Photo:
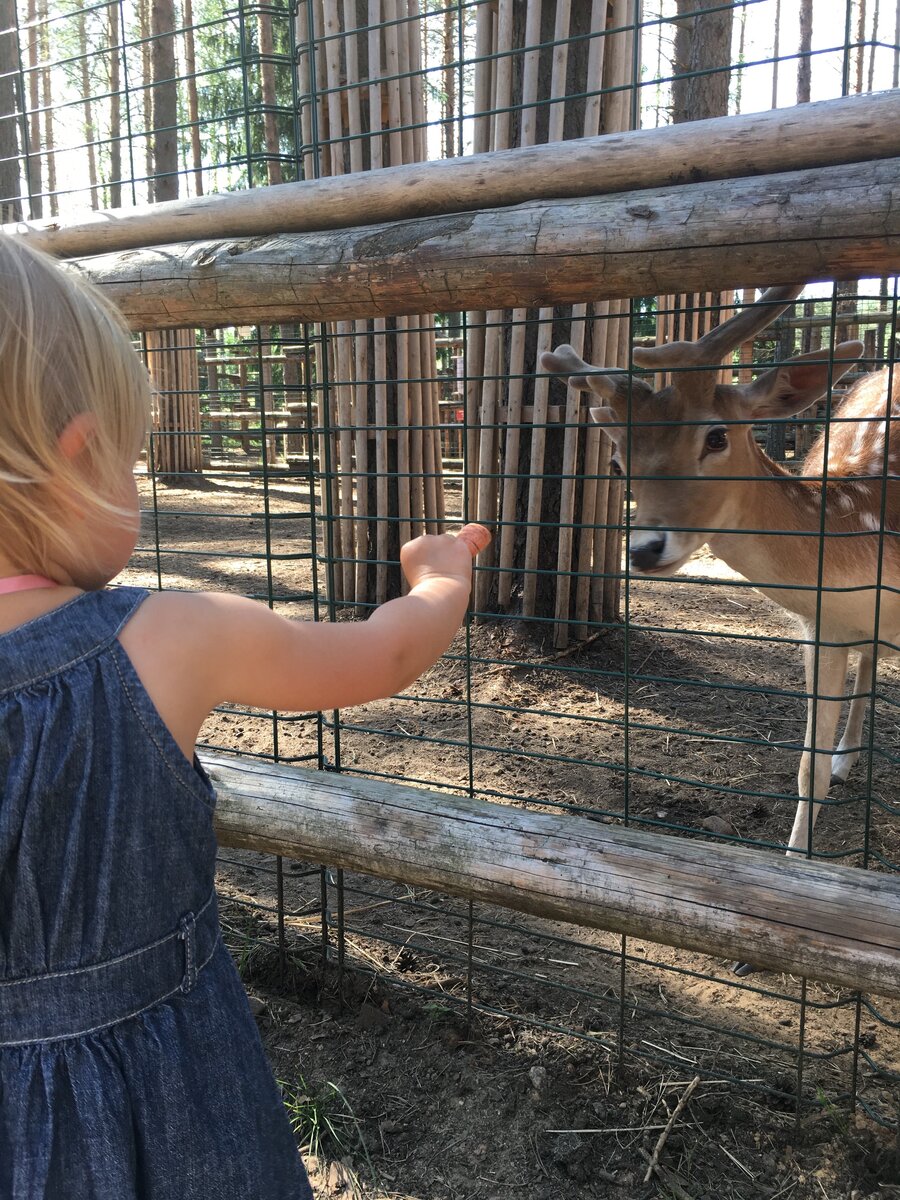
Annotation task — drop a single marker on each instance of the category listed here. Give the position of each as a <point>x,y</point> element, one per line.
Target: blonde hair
<point>64,351</point>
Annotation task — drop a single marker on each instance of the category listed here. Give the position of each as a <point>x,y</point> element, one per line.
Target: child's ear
<point>76,435</point>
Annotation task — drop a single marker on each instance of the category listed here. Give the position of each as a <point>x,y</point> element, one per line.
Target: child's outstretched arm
<point>196,650</point>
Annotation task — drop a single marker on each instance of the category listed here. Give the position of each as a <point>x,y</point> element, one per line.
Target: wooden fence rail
<point>829,132</point>
<point>828,223</point>
<point>837,924</point>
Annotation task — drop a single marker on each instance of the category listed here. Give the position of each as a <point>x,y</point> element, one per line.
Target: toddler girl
<point>130,1066</point>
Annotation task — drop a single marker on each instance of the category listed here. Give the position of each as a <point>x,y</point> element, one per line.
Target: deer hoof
<point>742,968</point>
<point>841,766</point>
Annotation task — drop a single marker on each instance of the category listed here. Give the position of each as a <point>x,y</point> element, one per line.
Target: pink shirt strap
<point>25,583</point>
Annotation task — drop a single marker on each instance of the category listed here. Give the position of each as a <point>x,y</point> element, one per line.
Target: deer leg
<point>847,752</point>
<point>814,776</point>
<point>813,780</point>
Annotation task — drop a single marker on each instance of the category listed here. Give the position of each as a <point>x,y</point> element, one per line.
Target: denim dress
<point>130,1064</point>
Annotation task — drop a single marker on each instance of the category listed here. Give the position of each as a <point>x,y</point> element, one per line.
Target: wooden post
<point>377,65</point>
<point>174,372</point>
<point>554,492</point>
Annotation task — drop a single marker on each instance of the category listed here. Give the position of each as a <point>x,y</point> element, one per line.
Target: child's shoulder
<point>183,624</point>
<point>192,617</point>
<point>176,642</point>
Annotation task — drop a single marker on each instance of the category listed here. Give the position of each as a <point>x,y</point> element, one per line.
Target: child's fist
<point>446,554</point>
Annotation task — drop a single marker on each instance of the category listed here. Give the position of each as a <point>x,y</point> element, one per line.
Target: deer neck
<point>770,498</point>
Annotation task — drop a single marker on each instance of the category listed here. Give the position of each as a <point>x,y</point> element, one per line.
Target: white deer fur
<point>690,488</point>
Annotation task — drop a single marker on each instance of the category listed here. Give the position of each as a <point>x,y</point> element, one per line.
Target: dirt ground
<point>474,1056</point>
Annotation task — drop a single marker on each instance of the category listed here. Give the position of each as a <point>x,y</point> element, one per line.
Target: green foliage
<point>644,316</point>
<point>229,91</point>
<point>322,1120</point>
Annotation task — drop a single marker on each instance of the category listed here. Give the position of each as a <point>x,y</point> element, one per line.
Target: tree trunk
<point>448,103</point>
<point>190,68</point>
<point>702,60</point>
<point>699,92</point>
<point>814,919</point>
<point>269,99</point>
<point>165,100</point>
<point>10,183</point>
<point>742,42</point>
<point>143,7</point>
<point>860,46</point>
<point>90,136</point>
<point>49,146</point>
<point>115,108</point>
<point>33,164</point>
<point>827,133</point>
<point>804,61</point>
<point>876,15</point>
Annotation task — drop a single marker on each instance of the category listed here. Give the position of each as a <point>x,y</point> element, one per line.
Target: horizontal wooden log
<point>837,924</point>
<point>852,129</point>
<point>835,222</point>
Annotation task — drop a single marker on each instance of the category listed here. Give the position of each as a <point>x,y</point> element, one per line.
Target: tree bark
<point>804,51</point>
<point>143,7</point>
<point>828,133</point>
<point>10,185</point>
<point>115,107</point>
<point>838,222</point>
<point>833,923</point>
<point>33,165</point>
<point>49,146</point>
<point>269,98</point>
<point>190,68</point>
<point>165,100</point>
<point>90,135</point>
<point>702,60</point>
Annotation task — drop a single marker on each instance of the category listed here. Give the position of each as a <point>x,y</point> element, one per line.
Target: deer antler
<point>565,361</point>
<point>712,349</point>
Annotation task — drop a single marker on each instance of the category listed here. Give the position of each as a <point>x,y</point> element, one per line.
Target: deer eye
<point>717,439</point>
<point>614,467</point>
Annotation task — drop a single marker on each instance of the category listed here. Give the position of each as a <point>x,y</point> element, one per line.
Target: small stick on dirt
<point>570,650</point>
<point>679,1108</point>
<point>670,1179</point>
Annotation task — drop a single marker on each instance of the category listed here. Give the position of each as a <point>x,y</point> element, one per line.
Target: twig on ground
<point>570,650</point>
<point>663,1137</point>
<point>670,1179</point>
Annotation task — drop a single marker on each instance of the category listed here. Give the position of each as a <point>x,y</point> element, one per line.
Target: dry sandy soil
<point>559,1072</point>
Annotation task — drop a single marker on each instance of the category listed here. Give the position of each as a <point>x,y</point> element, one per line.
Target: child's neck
<point>28,594</point>
<point>13,570</point>
<point>25,583</point>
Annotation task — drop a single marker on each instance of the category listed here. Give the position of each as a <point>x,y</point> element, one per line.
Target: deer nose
<point>647,555</point>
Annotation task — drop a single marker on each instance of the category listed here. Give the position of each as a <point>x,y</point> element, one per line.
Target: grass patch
<point>323,1121</point>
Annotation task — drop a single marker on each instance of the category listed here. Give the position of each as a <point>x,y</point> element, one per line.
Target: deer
<point>697,475</point>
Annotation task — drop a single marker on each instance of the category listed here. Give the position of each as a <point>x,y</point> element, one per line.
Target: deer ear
<point>797,384</point>
<point>611,421</point>
<point>604,416</point>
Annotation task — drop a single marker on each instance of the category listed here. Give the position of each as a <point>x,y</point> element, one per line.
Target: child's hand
<point>444,555</point>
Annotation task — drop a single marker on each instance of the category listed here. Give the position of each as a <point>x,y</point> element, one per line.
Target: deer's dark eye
<point>614,467</point>
<point>717,439</point>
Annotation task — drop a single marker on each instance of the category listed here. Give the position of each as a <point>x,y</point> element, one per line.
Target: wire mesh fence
<point>288,462</point>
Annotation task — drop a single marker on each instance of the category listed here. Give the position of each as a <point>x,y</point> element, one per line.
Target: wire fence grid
<point>288,463</point>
